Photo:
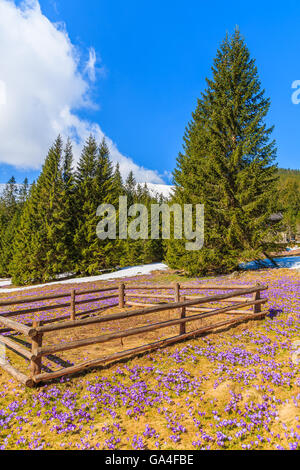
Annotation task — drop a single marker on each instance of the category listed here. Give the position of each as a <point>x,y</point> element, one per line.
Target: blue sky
<point>154,60</point>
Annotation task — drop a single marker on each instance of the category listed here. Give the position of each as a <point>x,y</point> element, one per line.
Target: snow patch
<point>156,189</point>
<point>131,271</point>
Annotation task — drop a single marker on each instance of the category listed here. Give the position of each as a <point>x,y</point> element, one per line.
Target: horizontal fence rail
<point>175,301</point>
<point>28,300</point>
<point>147,347</point>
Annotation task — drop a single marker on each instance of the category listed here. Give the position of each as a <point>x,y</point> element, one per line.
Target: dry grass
<point>216,370</point>
<point>56,361</point>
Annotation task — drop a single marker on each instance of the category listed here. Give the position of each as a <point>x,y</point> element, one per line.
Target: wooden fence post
<point>121,295</point>
<point>177,292</point>
<point>73,305</point>
<point>256,296</point>
<point>36,342</point>
<point>182,328</point>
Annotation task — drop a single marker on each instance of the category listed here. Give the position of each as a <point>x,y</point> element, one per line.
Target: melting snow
<point>124,272</point>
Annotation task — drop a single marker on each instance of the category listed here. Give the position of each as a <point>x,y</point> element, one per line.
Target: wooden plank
<point>177,299</point>
<point>146,311</point>
<point>105,289</point>
<point>246,304</point>
<point>129,352</point>
<point>73,306</point>
<point>25,330</point>
<point>36,344</point>
<point>53,307</point>
<point>4,303</point>
<point>94,299</point>
<point>216,286</point>
<point>193,309</point>
<point>27,381</point>
<point>27,300</point>
<point>191,286</point>
<point>125,333</point>
<point>170,296</point>
<point>150,296</point>
<point>177,292</point>
<point>63,317</point>
<point>16,347</point>
<point>234,299</point>
<point>121,295</point>
<point>34,310</point>
<point>207,309</point>
<point>256,306</point>
<point>148,287</point>
<point>143,304</point>
<point>182,326</point>
<point>99,289</point>
<point>80,302</point>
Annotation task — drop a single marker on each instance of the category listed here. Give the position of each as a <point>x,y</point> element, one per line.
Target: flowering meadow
<point>238,389</point>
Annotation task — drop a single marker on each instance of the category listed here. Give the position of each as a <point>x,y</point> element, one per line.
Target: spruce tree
<point>9,217</point>
<point>23,264</point>
<point>130,188</point>
<point>101,252</point>
<point>68,184</point>
<point>227,164</point>
<point>94,179</point>
<point>23,192</point>
<point>10,196</point>
<point>117,246</point>
<point>104,174</point>
<point>131,248</point>
<point>140,250</point>
<point>117,188</point>
<point>84,200</point>
<point>40,248</point>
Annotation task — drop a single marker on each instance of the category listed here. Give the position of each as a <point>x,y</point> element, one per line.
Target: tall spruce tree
<point>12,226</point>
<point>23,192</point>
<point>23,264</point>
<point>68,184</point>
<point>227,164</point>
<point>102,251</point>
<point>131,248</point>
<point>84,201</point>
<point>130,188</point>
<point>94,178</point>
<point>9,217</point>
<point>40,248</point>
<point>117,190</point>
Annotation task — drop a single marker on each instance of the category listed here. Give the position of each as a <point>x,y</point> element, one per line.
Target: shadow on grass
<point>132,355</point>
<point>273,312</point>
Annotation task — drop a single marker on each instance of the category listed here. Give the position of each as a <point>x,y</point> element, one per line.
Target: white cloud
<point>45,90</point>
<point>91,63</point>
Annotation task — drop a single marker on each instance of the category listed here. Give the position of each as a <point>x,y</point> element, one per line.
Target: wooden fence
<point>177,300</point>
